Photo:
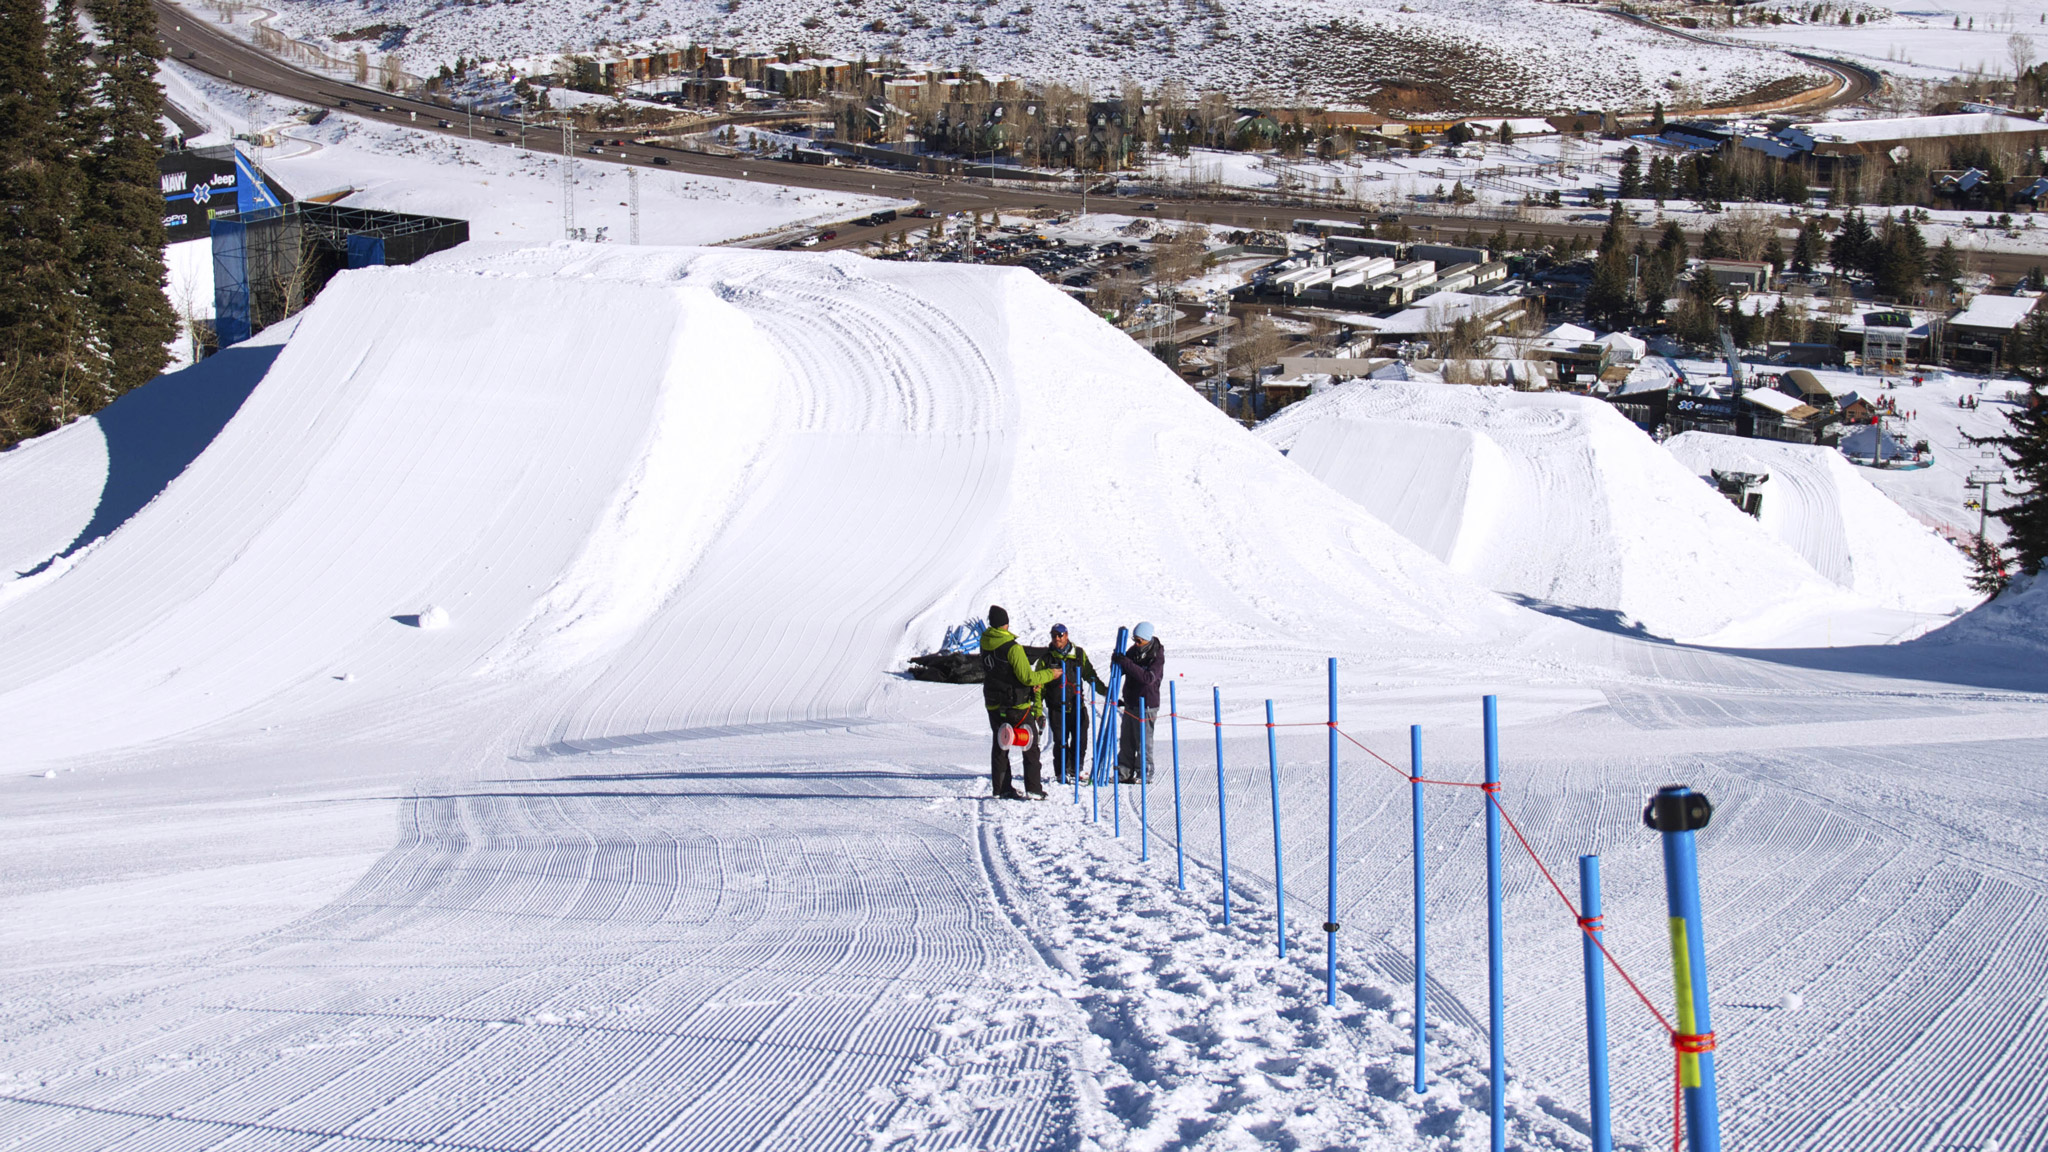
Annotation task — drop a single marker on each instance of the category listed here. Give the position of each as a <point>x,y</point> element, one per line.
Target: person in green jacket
<point>1066,707</point>
<point>1010,687</point>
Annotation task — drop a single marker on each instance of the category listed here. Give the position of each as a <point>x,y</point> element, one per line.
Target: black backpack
<point>1000,688</point>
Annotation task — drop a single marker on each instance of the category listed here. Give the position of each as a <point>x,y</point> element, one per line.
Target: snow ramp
<point>658,490</point>
<point>1556,498</point>
<point>1851,533</point>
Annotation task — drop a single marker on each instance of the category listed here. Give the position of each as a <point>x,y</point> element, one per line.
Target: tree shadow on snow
<point>156,431</point>
<point>1599,619</point>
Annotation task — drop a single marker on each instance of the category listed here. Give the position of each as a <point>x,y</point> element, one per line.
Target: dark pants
<point>1129,728</point>
<point>999,757</point>
<point>1068,727</point>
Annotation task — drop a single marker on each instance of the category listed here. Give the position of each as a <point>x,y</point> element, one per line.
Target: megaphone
<point>1013,736</point>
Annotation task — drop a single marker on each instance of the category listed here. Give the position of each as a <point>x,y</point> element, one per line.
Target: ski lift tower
<point>1745,420</point>
<point>1982,479</point>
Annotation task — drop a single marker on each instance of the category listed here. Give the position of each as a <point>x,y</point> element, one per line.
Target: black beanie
<point>997,618</point>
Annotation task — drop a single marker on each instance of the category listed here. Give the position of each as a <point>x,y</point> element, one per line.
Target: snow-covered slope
<point>1553,497</point>
<point>1824,508</point>
<point>667,486</point>
<point>1514,54</point>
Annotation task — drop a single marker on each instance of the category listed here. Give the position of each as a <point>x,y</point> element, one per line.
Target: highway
<point>202,46</point>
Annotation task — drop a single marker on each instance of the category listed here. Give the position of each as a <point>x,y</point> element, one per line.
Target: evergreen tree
<point>1714,244</point>
<point>1853,247</point>
<point>121,229</point>
<point>1657,117</point>
<point>1774,254</point>
<point>1507,132</point>
<point>1901,264</point>
<point>1610,300</point>
<point>1946,271</point>
<point>1988,576</point>
<point>1631,174</point>
<point>1807,248</point>
<point>49,367</point>
<point>2024,448</point>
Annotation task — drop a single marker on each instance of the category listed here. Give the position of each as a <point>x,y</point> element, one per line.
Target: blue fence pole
<point>1222,801</point>
<point>1496,975</point>
<point>1330,924</point>
<point>1421,934</point>
<point>1095,768</point>
<point>1596,1002</point>
<point>1180,864</point>
<point>1678,812</point>
<point>1279,860</point>
<point>1144,786</point>
<point>1074,717</point>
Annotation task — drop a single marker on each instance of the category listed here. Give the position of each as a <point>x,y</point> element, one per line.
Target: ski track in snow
<point>644,850</point>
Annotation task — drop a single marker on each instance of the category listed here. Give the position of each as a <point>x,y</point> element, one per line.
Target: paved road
<point>200,45</point>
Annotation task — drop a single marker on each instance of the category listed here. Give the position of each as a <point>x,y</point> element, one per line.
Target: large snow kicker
<point>1851,533</point>
<point>1555,498</point>
<point>670,489</point>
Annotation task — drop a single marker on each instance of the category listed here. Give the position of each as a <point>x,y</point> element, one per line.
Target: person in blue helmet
<point>1144,668</point>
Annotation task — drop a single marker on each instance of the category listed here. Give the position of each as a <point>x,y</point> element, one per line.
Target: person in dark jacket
<point>1144,668</point>
<point>1010,688</point>
<point>1066,707</point>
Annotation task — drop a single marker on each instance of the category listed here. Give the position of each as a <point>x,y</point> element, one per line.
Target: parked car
<point>829,234</point>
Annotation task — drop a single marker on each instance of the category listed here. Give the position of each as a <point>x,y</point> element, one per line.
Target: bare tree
<point>2019,48</point>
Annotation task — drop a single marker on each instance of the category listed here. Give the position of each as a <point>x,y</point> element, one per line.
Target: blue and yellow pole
<point>1677,812</point>
<point>1496,972</point>
<point>1421,933</point>
<point>1596,1002</point>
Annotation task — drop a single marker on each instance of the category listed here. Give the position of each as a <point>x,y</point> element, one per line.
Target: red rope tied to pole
<point>1683,1044</point>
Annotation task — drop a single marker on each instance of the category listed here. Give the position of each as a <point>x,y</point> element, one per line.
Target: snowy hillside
<point>1425,55</point>
<point>1824,508</point>
<point>1556,498</point>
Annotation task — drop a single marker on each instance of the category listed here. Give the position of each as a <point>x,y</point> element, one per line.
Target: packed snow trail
<point>647,849</point>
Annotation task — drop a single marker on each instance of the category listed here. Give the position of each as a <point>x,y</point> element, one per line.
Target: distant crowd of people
<point>1043,690</point>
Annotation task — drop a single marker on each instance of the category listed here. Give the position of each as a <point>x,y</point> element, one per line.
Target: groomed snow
<point>648,847</point>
